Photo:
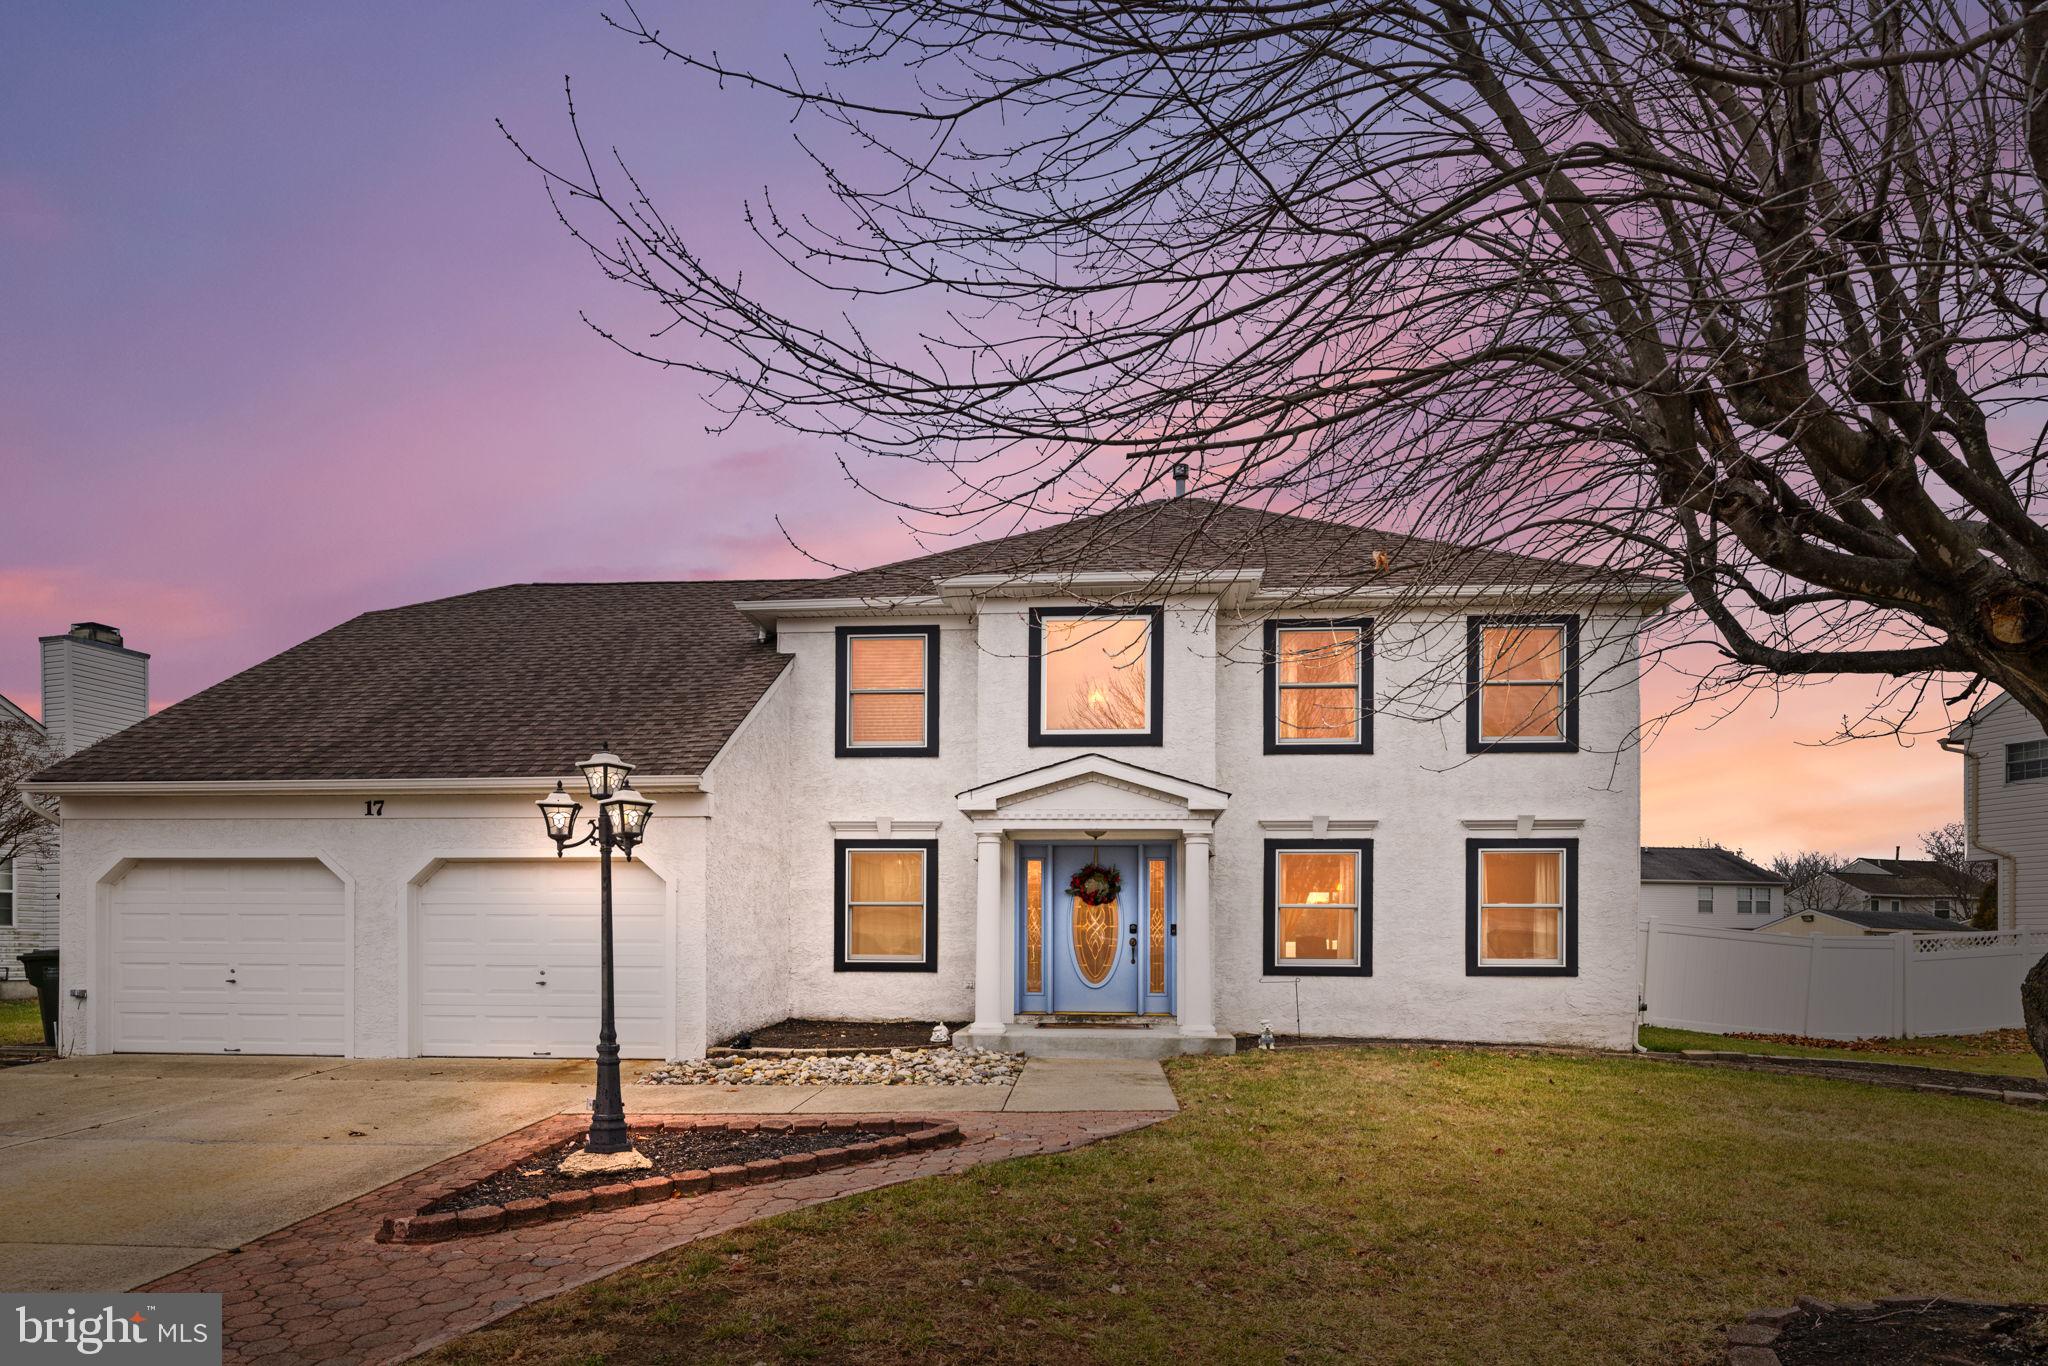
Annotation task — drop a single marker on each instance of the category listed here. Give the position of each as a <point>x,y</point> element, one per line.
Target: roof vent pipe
<point>1180,478</point>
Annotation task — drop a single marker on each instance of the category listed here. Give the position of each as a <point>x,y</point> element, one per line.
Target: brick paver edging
<point>909,1134</point>
<point>1869,1073</point>
<point>324,1290</point>
<point>1753,1341</point>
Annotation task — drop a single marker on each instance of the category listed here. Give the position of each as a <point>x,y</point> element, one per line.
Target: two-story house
<point>1709,886</point>
<point>2005,805</point>
<point>1127,784</point>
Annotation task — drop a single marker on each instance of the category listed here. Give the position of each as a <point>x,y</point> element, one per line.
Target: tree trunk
<point>2034,1003</point>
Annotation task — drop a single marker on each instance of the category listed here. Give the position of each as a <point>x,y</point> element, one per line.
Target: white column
<point>990,990</point>
<point>1197,999</point>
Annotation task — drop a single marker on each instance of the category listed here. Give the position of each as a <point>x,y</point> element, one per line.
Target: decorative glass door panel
<point>1097,937</point>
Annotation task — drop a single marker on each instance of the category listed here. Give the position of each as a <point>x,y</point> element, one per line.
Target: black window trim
<point>1363,744</point>
<point>1570,966</point>
<point>842,697</point>
<point>930,961</point>
<point>1040,738</point>
<point>1272,966</point>
<point>1475,627</point>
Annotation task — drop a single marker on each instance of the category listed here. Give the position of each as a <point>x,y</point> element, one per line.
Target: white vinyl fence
<point>1833,986</point>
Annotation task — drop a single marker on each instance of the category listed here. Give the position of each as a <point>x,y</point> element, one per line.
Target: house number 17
<point>374,808</point>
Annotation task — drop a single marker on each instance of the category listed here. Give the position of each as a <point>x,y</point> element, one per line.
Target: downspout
<point>53,812</point>
<point>2008,866</point>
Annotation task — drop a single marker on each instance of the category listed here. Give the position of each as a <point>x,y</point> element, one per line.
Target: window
<point>1521,908</point>
<point>888,690</point>
<point>1703,897</point>
<point>1319,687</point>
<point>6,891</point>
<point>1095,676</point>
<point>1319,908</point>
<point>887,894</point>
<point>1522,679</point>
<point>2028,759</point>
<point>1752,900</point>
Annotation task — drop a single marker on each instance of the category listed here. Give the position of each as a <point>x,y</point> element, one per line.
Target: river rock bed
<point>897,1067</point>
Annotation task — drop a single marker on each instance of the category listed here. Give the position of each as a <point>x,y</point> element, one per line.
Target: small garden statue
<point>1265,1036</point>
<point>941,1035</point>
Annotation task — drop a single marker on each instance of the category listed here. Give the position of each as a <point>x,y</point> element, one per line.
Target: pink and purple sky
<point>290,334</point>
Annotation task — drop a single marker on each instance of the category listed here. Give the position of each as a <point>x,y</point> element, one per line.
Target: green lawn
<point>1407,1205</point>
<point>20,1022</point>
<point>2002,1051</point>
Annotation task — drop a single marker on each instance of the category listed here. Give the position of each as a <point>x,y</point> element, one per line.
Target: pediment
<point>1094,787</point>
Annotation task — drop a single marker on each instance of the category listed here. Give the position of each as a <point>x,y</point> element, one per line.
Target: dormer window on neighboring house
<point>1096,676</point>
<point>1319,687</point>
<point>888,692</point>
<point>1522,680</point>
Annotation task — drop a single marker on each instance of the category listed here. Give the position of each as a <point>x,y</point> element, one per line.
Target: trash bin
<point>40,965</point>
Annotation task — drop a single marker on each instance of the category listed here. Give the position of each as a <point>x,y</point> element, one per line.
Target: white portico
<point>1048,970</point>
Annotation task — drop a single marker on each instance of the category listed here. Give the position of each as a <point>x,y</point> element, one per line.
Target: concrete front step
<point>1161,1040</point>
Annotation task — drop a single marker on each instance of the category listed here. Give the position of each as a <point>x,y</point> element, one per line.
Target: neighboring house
<point>1903,886</point>
<point>2005,805</point>
<point>1708,887</point>
<point>1857,920</point>
<point>873,791</point>
<point>92,686</point>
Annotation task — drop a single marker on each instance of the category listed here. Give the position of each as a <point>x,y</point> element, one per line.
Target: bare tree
<point>1810,884</point>
<point>1748,298</point>
<point>1949,846</point>
<point>25,833</point>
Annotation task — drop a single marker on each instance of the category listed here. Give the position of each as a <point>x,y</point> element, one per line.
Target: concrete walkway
<point>125,1168</point>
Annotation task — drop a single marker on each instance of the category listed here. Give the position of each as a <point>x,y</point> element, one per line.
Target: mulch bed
<point>1902,1329</point>
<point>673,1150</point>
<point>691,1157</point>
<point>880,1035</point>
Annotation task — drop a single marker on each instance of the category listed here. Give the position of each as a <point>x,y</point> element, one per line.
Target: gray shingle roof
<point>1199,535</point>
<point>1916,922</point>
<point>509,682</point>
<point>1673,863</point>
<point>1894,884</point>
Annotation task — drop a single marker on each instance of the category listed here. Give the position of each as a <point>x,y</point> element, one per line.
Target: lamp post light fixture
<point>621,824</point>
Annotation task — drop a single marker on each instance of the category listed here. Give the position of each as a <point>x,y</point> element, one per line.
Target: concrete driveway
<point>118,1170</point>
<point>121,1169</point>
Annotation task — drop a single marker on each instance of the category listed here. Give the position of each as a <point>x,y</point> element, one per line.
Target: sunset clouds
<point>292,334</point>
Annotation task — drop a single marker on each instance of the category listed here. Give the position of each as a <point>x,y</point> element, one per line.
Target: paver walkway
<point>323,1291</point>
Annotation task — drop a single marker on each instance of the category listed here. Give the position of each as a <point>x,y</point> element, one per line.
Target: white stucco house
<point>1708,886</point>
<point>873,791</point>
<point>92,686</point>
<point>2005,805</point>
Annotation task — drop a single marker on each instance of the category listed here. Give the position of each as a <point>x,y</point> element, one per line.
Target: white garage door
<point>229,956</point>
<point>508,960</point>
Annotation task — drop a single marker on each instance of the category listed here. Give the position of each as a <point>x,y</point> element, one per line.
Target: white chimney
<point>93,685</point>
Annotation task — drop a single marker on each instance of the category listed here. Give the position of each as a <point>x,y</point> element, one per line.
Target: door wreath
<point>1096,884</point>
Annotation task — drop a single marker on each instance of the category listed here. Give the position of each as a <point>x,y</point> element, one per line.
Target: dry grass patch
<point>1396,1204</point>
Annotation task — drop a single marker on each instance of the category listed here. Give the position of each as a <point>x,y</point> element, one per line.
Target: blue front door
<point>1094,951</point>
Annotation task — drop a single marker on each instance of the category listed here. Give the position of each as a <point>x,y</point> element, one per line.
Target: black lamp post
<point>621,824</point>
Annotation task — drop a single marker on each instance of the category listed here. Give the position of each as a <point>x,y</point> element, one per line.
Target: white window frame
<point>1046,653</point>
<point>1282,959</point>
<point>924,949</point>
<point>2026,761</point>
<point>8,890</point>
<point>1562,683</point>
<point>922,691</point>
<point>1703,899</point>
<point>1564,896</point>
<point>1281,687</point>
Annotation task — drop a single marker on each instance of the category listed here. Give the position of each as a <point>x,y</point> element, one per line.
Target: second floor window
<point>1522,678</point>
<point>6,891</point>
<point>1704,898</point>
<point>1096,676</point>
<point>1319,687</point>
<point>888,691</point>
<point>2026,760</point>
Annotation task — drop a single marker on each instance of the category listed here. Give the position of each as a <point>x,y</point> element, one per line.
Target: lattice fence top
<point>1939,942</point>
